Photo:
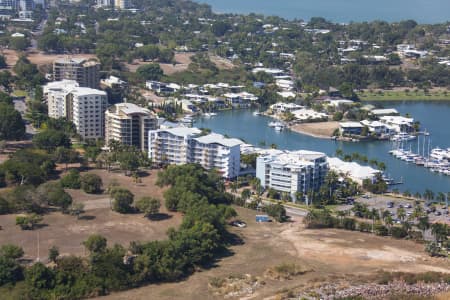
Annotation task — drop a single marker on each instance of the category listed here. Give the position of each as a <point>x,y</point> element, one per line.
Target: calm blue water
<point>434,117</point>
<point>423,11</point>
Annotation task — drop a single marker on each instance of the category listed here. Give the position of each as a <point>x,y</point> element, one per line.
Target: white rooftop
<point>352,169</point>
<point>351,124</point>
<point>85,91</point>
<point>215,138</point>
<point>130,108</point>
<point>182,131</point>
<point>384,111</point>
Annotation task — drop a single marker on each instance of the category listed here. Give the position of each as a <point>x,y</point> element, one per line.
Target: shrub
<point>381,230</point>
<point>72,180</point>
<point>398,232</point>
<point>27,222</point>
<point>11,251</point>
<point>123,199</point>
<point>364,227</point>
<point>148,205</point>
<point>349,223</point>
<point>91,183</point>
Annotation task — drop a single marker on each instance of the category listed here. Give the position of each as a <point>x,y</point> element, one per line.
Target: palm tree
<point>407,226</point>
<point>423,224</point>
<point>417,212</point>
<point>428,195</point>
<point>440,197</point>
<point>401,213</point>
<point>389,221</point>
<point>339,152</point>
<point>440,231</point>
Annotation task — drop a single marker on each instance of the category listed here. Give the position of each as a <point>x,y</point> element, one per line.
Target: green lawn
<point>402,96</point>
<point>19,93</point>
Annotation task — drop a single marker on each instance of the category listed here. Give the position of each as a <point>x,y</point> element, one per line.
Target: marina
<point>254,130</point>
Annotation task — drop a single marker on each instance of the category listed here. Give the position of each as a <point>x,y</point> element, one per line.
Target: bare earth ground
<point>222,63</point>
<point>331,254</point>
<point>182,62</point>
<point>39,58</point>
<point>320,129</point>
<point>67,233</point>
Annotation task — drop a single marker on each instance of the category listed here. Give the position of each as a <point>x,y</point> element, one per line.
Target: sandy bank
<point>323,130</point>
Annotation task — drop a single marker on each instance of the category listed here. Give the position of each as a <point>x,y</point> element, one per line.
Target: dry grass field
<point>329,255</point>
<point>67,233</point>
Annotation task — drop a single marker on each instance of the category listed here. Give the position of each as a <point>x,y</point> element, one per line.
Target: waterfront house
<point>353,170</point>
<point>282,107</point>
<point>398,123</point>
<point>350,128</point>
<point>384,112</point>
<point>376,127</point>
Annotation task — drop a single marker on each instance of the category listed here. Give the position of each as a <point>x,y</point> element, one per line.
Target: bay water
<point>422,11</point>
<point>434,117</point>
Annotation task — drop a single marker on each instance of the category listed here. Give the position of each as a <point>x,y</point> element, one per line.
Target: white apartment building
<point>183,145</point>
<point>87,111</point>
<point>129,124</point>
<point>291,172</point>
<point>56,93</point>
<point>85,107</point>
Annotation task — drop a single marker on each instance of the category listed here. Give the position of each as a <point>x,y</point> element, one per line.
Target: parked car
<point>438,213</point>
<point>239,224</point>
<point>408,205</point>
<point>390,204</point>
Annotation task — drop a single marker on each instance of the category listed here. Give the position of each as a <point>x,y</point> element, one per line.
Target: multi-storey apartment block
<point>85,107</point>
<point>85,72</point>
<point>129,124</point>
<point>183,145</point>
<point>291,172</point>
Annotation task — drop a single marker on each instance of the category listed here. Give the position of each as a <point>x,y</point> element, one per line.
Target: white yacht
<point>402,136</point>
<point>439,154</point>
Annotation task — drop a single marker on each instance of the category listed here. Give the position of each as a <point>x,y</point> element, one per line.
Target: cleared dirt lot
<point>67,233</point>
<point>320,129</point>
<point>331,254</point>
<point>182,62</point>
<point>39,58</point>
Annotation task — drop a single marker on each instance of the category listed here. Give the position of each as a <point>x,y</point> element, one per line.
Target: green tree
<point>11,251</point>
<point>39,277</point>
<point>122,200</point>
<point>148,205</point>
<point>51,139</point>
<point>66,156</point>
<point>71,180</point>
<point>19,43</point>
<point>2,62</point>
<point>10,271</point>
<point>95,244</point>
<point>91,183</point>
<point>12,126</point>
<point>149,72</point>
<point>277,211</point>
<point>423,224</point>
<point>53,253</point>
